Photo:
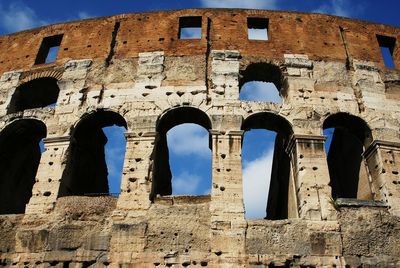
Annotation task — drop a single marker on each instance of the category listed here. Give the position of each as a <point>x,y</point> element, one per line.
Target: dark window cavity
<point>261,82</point>
<point>87,171</point>
<point>20,153</point>
<point>182,165</point>
<point>387,45</point>
<point>190,28</point>
<point>257,28</point>
<point>277,202</point>
<point>38,93</point>
<point>347,138</point>
<point>49,48</point>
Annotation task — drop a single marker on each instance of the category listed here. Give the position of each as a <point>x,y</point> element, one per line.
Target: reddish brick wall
<point>316,35</point>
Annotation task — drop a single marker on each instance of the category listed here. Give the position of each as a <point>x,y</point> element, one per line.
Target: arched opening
<point>37,93</point>
<point>261,82</point>
<point>347,138</point>
<point>266,166</point>
<point>182,157</point>
<point>19,160</point>
<point>95,155</point>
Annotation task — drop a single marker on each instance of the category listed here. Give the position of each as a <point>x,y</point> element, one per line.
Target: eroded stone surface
<point>109,72</point>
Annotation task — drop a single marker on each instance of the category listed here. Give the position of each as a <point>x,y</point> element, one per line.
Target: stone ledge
<point>352,202</point>
<point>182,199</point>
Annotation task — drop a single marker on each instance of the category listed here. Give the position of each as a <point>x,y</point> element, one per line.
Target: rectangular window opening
<point>48,50</point>
<point>387,45</point>
<point>189,28</point>
<point>257,28</point>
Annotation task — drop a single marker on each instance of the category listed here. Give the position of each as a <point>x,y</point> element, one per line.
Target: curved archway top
<point>269,121</point>
<point>98,119</point>
<point>42,74</point>
<point>354,124</point>
<point>8,119</point>
<point>263,72</point>
<point>31,128</point>
<point>181,115</point>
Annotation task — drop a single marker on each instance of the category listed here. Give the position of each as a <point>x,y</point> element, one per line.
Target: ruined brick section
<point>340,210</point>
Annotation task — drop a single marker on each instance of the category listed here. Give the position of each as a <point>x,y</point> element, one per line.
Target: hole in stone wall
<point>267,171</point>
<point>19,160</point>
<point>189,28</point>
<point>87,172</point>
<point>261,82</point>
<point>49,48</point>
<point>387,45</point>
<point>257,28</point>
<point>347,137</point>
<point>182,162</point>
<point>41,92</point>
<point>257,156</point>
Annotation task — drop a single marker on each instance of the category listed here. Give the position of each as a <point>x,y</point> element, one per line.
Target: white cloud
<point>260,91</point>
<point>258,34</point>
<point>188,139</point>
<point>84,15</point>
<point>256,181</point>
<point>186,183</point>
<point>252,4</point>
<point>17,17</point>
<point>339,8</point>
<point>190,33</point>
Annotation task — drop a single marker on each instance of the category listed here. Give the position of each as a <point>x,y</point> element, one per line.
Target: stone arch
<point>268,78</point>
<point>36,93</point>
<point>86,170</point>
<point>277,203</point>
<point>348,171</point>
<point>162,175</point>
<point>82,115</point>
<point>19,160</point>
<point>41,74</point>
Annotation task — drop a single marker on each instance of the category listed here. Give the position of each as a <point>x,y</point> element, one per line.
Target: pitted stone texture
<point>122,65</point>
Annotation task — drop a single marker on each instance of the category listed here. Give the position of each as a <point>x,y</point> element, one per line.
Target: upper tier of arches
<point>321,37</point>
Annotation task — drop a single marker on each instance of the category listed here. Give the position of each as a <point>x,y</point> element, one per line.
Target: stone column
<point>48,177</point>
<point>8,84</point>
<point>129,229</point>
<point>227,209</point>
<point>383,159</point>
<point>311,177</point>
<point>225,75</point>
<point>136,175</point>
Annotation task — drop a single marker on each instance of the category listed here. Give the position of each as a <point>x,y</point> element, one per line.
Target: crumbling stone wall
<point>133,71</point>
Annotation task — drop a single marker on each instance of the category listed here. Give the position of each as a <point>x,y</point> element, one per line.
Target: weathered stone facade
<point>132,70</point>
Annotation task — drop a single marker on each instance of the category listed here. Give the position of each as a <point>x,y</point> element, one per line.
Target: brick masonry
<point>134,67</point>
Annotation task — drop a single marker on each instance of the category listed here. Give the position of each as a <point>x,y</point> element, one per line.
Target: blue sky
<point>190,157</point>
<point>18,15</point>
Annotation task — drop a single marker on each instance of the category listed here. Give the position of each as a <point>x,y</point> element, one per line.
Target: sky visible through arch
<point>17,15</point>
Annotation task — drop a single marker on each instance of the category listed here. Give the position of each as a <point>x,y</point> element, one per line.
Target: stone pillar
<point>72,87</point>
<point>227,209</point>
<point>225,75</point>
<point>128,236</point>
<point>311,177</point>
<point>150,70</point>
<point>136,175</point>
<point>8,84</point>
<point>383,159</point>
<point>48,177</point>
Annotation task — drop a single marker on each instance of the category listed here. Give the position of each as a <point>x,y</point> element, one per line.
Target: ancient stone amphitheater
<point>139,72</point>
